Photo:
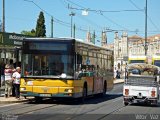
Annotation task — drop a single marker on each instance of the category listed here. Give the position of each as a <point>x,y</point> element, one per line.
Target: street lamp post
<point>3,22</point>
<point>145,45</point>
<point>71,14</point>
<point>52,27</point>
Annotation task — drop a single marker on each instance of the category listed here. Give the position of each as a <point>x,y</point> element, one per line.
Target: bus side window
<point>79,59</point>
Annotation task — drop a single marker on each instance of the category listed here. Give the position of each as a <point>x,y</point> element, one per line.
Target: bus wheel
<point>84,94</point>
<point>104,88</point>
<point>103,93</point>
<point>38,99</point>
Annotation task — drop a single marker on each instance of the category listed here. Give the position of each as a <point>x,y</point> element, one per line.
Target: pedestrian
<point>9,69</point>
<point>16,81</point>
<point>2,68</point>
<point>118,74</point>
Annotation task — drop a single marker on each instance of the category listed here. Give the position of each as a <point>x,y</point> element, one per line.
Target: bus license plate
<point>45,95</point>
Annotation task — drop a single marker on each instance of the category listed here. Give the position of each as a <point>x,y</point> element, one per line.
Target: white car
<point>141,84</point>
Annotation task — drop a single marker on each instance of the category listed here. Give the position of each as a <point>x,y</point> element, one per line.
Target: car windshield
<point>136,71</point>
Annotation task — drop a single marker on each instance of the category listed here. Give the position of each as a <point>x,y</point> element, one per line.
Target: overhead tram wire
<point>147,15</point>
<point>100,12</point>
<point>55,19</point>
<point>75,4</point>
<point>64,3</point>
<point>80,16</point>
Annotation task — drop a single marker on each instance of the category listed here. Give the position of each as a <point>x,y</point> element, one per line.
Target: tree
<point>40,27</point>
<point>29,33</point>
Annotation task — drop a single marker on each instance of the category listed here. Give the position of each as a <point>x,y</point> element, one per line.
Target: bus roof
<point>65,39</point>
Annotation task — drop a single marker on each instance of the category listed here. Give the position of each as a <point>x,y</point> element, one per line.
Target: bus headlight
<point>29,82</point>
<point>68,90</point>
<point>22,89</point>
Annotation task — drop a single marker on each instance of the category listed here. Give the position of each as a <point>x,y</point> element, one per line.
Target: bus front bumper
<point>31,94</point>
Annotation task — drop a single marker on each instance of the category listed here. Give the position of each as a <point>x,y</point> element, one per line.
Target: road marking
<point>117,99</point>
<point>9,105</point>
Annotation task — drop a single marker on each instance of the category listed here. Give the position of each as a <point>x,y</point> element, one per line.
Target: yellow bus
<point>64,67</point>
<point>156,60</point>
<point>137,59</point>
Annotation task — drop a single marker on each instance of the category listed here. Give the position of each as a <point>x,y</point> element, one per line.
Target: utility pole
<point>52,27</point>
<point>146,46</point>
<point>74,31</point>
<point>3,22</point>
<point>71,14</point>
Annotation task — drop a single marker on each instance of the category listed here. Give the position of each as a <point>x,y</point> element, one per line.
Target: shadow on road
<point>90,100</point>
<point>144,105</point>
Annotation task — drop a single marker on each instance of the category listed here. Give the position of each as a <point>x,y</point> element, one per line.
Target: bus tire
<point>103,93</point>
<point>104,88</point>
<point>38,99</point>
<point>84,93</point>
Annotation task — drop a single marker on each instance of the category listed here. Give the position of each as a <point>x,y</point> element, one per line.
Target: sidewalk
<point>4,100</point>
<point>116,81</point>
<point>22,99</point>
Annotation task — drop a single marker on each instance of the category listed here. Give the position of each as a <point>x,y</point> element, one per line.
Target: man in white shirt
<point>16,81</point>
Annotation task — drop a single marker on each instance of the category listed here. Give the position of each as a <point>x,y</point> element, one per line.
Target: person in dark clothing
<point>2,68</point>
<point>117,74</point>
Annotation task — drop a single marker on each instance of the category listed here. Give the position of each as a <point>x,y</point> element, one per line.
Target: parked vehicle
<point>141,84</point>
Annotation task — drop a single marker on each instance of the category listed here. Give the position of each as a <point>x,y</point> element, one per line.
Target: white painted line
<point>9,105</point>
<point>117,99</point>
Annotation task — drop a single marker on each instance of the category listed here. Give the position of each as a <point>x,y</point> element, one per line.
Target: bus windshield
<point>42,65</point>
<point>51,59</point>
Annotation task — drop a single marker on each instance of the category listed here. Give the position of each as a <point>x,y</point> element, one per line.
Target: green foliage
<point>40,27</point>
<point>29,33</point>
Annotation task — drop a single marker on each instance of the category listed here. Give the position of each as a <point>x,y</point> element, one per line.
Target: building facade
<point>120,50</point>
<point>126,47</point>
<point>10,46</point>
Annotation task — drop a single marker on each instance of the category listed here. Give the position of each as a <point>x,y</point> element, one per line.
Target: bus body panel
<point>53,87</point>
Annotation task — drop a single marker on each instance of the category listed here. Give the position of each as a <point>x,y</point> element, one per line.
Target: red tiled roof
<point>154,36</point>
<point>134,37</point>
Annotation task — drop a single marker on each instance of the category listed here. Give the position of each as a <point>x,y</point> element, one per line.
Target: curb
<point>15,101</point>
<point>119,81</point>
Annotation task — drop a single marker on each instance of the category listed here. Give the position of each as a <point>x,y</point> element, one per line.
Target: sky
<point>107,15</point>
